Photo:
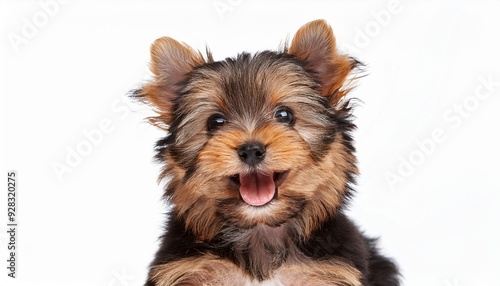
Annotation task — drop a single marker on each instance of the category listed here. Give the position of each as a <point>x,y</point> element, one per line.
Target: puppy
<point>260,165</point>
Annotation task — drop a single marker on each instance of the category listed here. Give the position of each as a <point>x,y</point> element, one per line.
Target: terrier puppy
<point>260,165</point>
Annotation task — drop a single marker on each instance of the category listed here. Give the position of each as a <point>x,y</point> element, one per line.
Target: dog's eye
<point>215,122</point>
<point>284,115</point>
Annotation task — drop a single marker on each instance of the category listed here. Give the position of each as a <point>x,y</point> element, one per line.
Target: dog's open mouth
<point>258,189</point>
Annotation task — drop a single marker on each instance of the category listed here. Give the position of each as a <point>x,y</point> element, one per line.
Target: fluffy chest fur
<point>208,271</point>
<point>211,271</point>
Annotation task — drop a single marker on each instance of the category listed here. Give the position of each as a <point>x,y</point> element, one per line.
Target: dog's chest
<point>209,270</point>
<point>275,260</point>
<point>312,274</point>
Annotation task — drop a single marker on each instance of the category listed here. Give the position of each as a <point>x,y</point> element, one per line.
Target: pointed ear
<point>315,44</point>
<point>171,62</point>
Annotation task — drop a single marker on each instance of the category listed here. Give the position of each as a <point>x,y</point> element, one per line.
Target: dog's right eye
<point>215,122</point>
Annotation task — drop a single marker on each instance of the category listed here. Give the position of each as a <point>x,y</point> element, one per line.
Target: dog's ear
<point>171,63</point>
<point>315,44</point>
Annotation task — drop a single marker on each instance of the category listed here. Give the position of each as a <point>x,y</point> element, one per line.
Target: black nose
<point>252,153</point>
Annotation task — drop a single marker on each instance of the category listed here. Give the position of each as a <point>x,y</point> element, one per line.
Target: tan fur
<point>196,200</point>
<point>170,63</point>
<point>322,184</point>
<point>326,184</point>
<point>319,273</point>
<point>209,270</point>
<point>316,44</point>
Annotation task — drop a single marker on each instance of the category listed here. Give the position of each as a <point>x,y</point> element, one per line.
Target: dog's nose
<point>252,153</point>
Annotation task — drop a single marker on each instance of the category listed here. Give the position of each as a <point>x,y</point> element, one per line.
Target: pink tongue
<point>257,189</point>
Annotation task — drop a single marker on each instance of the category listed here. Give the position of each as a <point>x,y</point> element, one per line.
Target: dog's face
<point>252,140</point>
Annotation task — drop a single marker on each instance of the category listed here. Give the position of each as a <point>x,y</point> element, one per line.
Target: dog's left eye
<point>215,122</point>
<point>284,115</point>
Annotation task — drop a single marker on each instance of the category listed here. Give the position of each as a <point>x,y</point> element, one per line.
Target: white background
<point>66,69</point>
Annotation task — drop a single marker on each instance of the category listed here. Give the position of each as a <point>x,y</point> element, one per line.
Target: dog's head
<point>256,139</point>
